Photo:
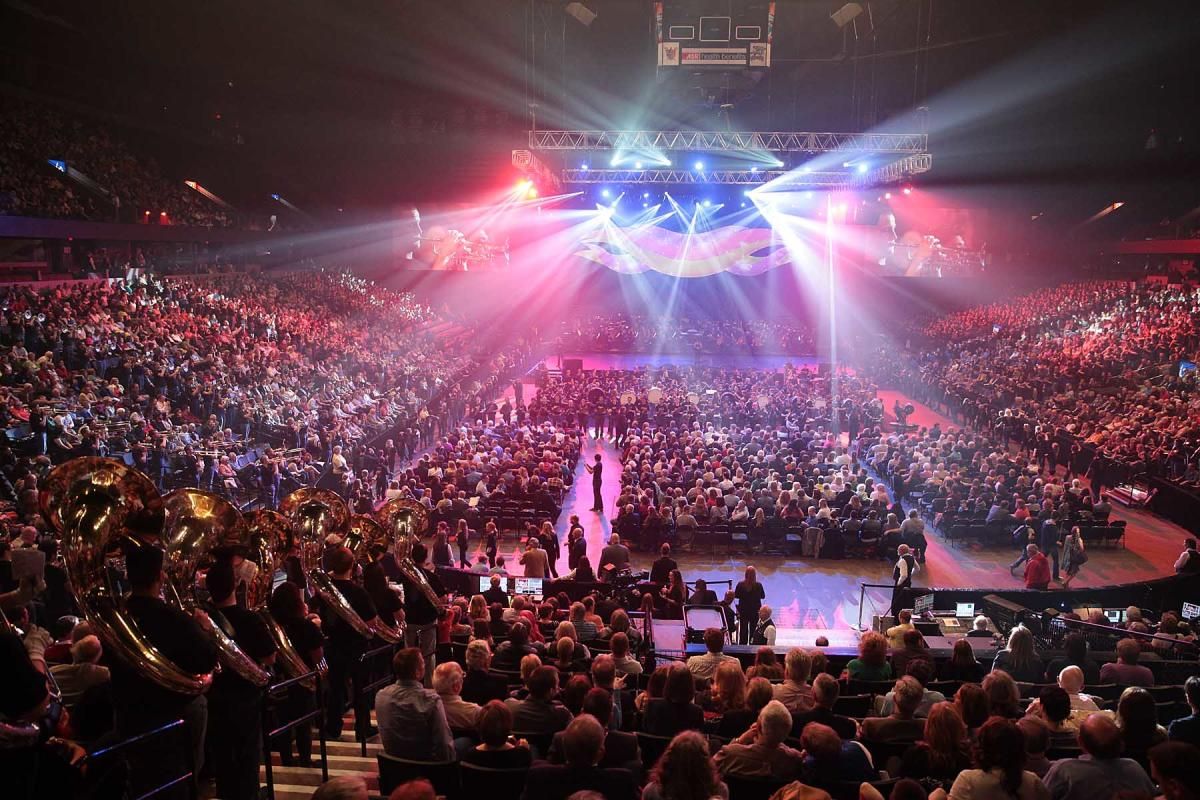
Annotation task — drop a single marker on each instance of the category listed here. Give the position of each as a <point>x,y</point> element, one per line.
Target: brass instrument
<point>314,514</point>
<point>198,526</point>
<point>405,520</point>
<point>93,503</point>
<point>369,542</point>
<point>267,539</point>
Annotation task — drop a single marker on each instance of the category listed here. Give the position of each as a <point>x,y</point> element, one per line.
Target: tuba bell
<point>267,540</point>
<point>404,520</point>
<point>368,541</point>
<point>314,514</point>
<point>199,526</point>
<point>95,503</point>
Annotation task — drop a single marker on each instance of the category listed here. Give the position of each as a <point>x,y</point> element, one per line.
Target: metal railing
<point>280,690</point>
<point>177,727</point>
<point>363,689</point>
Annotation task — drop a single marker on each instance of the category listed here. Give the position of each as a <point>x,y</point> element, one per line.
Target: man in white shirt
<point>705,666</point>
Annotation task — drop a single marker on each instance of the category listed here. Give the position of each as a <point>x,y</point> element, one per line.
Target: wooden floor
<point>826,594</point>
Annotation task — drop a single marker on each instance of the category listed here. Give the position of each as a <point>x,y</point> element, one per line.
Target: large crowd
<point>1103,364</point>
<point>132,184</point>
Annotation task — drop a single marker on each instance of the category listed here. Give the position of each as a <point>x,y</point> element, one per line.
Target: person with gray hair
<point>760,751</point>
<point>343,787</point>
<point>83,673</point>
<point>795,693</point>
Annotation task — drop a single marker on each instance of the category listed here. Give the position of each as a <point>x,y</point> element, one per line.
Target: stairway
<point>345,758</point>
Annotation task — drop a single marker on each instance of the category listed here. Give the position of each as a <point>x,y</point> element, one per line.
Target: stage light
<point>887,195</point>
<point>745,192</point>
<point>645,195</point>
<point>862,168</point>
<point>699,166</point>
<point>637,165</point>
<point>808,195</point>
<point>645,205</point>
<point>754,169</point>
<point>275,197</point>
<point>805,170</point>
<point>707,203</point>
<point>743,204</point>
<point>614,161</point>
<point>584,166</point>
<point>908,190</point>
<point>605,193</point>
<point>666,162</point>
<point>532,193</point>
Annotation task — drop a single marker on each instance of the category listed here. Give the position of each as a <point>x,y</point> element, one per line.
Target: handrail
<point>862,597</point>
<point>318,714</point>
<point>1122,633</point>
<point>104,752</point>
<point>186,777</point>
<point>361,690</point>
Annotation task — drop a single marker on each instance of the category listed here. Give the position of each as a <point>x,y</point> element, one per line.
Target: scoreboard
<point>717,34</point>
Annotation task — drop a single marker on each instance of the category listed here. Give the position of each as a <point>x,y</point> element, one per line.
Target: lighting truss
<point>724,141</point>
<point>738,177</point>
<point>899,170</point>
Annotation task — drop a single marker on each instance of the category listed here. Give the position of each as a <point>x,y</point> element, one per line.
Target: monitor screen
<point>923,604</point>
<point>529,586</point>
<point>1190,611</point>
<point>964,610</point>
<point>485,583</point>
<point>1114,615</point>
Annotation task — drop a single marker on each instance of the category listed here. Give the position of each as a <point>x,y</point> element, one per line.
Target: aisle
<point>596,527</point>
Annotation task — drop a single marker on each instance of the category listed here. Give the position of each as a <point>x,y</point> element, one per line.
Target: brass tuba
<point>199,525</point>
<point>315,514</point>
<point>405,520</point>
<point>368,541</point>
<point>267,539</point>
<point>96,504</point>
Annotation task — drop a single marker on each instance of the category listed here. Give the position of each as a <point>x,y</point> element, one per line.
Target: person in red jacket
<point>1037,569</point>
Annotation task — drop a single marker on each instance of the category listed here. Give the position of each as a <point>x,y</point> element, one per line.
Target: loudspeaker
<point>572,366</point>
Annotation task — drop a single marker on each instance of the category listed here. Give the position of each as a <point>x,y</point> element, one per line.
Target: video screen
<point>923,604</point>
<point>531,587</point>
<point>1190,611</point>
<point>964,610</point>
<point>485,583</point>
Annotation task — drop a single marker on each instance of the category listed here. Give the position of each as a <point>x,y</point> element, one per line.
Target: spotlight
<point>699,166</point>
<point>645,195</point>
<point>887,195</point>
<point>743,204</point>
<point>908,190</point>
<point>614,161</point>
<point>808,195</point>
<point>637,165</point>
<point>532,193</point>
<point>645,205</point>
<point>708,203</point>
<point>805,170</point>
<point>745,192</point>
<point>862,168</point>
<point>605,193</point>
<point>754,169</point>
<point>584,166</point>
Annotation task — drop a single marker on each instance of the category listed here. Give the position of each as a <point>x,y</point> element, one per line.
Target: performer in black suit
<point>596,470</point>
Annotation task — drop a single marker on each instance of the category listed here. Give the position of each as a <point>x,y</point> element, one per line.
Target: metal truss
<point>740,177</point>
<point>899,170</point>
<point>718,141</point>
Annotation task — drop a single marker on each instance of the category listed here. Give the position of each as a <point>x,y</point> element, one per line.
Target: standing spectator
<point>1037,568</point>
<point>1074,555</point>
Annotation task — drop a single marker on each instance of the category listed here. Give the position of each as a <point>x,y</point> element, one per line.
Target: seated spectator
<point>496,748</point>
<point>564,658</point>
<point>448,683</point>
<point>922,671</point>
<point>981,628</point>
<point>1000,767</point>
<point>944,750</point>
<point>914,647</point>
<point>412,722</point>
<point>901,725</point>
<point>1173,767</point>
<point>825,691</point>
<point>529,665</point>
<point>1003,697</point>
<point>972,704</point>
<point>1126,671</point>
<point>567,628</point>
<point>354,787</point>
<point>766,665</point>
<point>760,751</point>
<point>895,634</point>
<point>84,673</point>
<point>585,629</point>
<point>1037,742</point>
<point>620,748</point>
<point>1137,717</point>
<point>1071,682</point>
<point>479,685</point>
<point>685,772</point>
<point>494,595</point>
<point>540,713</point>
<point>1019,659</point>
<point>872,663</point>
<point>1075,654</point>
<point>582,748</point>
<point>728,699</point>
<point>828,759</point>
<point>705,666</point>
<point>509,653</point>
<point>1053,709</point>
<point>572,693</point>
<point>624,663</point>
<point>962,665</point>
<point>675,711</point>
<point>1100,771</point>
<point>795,693</point>
<point>1187,729</point>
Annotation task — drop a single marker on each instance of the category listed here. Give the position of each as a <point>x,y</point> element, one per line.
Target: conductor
<point>596,470</point>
